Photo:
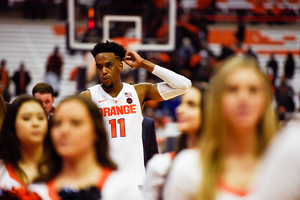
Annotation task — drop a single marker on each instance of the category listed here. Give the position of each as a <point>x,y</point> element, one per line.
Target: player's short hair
<point>109,46</point>
<point>43,88</point>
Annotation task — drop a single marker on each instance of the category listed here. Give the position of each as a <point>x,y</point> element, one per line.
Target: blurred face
<point>31,123</point>
<point>243,99</point>
<point>189,112</point>
<point>108,69</point>
<point>47,100</point>
<point>73,132</point>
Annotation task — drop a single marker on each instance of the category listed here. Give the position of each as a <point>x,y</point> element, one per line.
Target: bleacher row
<point>248,4</point>
<point>226,5</point>
<point>32,43</point>
<point>279,40</point>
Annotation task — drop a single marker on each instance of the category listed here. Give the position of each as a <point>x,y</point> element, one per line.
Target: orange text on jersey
<point>118,110</point>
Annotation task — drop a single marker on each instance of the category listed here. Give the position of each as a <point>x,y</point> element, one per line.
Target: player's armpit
<point>147,91</point>
<point>153,94</point>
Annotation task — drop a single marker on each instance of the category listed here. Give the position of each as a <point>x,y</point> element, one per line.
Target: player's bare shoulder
<point>86,94</point>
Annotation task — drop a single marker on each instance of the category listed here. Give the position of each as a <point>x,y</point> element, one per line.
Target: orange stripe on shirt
<point>105,172</point>
<point>172,155</point>
<point>12,173</point>
<point>52,190</point>
<point>222,186</point>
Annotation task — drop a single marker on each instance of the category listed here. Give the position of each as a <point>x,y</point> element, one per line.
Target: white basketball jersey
<point>123,122</point>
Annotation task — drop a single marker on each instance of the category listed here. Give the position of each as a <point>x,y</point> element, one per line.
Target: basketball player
<point>121,104</point>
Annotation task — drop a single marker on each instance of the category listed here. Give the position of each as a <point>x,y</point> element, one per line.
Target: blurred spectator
<point>289,66</point>
<point>153,16</point>
<point>259,7</point>
<point>2,110</point>
<point>190,120</point>
<point>296,115</point>
<point>4,81</point>
<point>199,20</point>
<point>203,4</point>
<point>63,10</point>
<point>272,63</point>
<point>33,9</point>
<point>22,143</point>
<point>284,97</point>
<point>202,64</point>
<point>252,53</point>
<point>225,53</point>
<point>85,165</point>
<point>44,92</point>
<point>234,137</point>
<point>275,12</point>
<point>183,55</point>
<point>21,78</point>
<point>3,5</point>
<point>185,28</point>
<point>240,33</point>
<point>53,70</point>
<point>79,73</point>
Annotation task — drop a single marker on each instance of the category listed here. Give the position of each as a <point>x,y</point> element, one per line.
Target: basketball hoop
<point>130,44</point>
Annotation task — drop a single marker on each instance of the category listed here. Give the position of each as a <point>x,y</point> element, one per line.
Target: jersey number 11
<point>113,125</point>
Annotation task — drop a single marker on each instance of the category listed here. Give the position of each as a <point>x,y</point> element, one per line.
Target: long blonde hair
<point>211,145</point>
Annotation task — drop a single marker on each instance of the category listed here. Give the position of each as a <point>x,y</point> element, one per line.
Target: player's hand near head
<point>133,59</point>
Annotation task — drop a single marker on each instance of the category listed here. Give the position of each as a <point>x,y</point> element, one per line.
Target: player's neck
<point>115,90</point>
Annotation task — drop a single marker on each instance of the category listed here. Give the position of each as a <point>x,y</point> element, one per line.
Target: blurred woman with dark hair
<point>22,142</point>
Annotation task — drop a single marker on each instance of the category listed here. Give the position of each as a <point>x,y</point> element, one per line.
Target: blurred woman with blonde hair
<point>189,122</point>
<point>240,123</point>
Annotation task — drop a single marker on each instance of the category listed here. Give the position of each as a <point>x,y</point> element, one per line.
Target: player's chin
<point>110,85</point>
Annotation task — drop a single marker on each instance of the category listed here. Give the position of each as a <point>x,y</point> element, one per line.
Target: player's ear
<point>120,66</point>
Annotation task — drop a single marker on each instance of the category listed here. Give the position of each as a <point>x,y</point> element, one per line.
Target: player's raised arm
<point>173,85</point>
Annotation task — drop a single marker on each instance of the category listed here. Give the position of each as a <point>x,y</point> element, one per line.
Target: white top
<point>156,171</point>
<point>123,122</point>
<point>185,176</point>
<point>116,186</point>
<point>7,182</point>
<point>280,175</point>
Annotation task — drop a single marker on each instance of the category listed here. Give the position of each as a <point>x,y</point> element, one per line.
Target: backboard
<point>108,20</point>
